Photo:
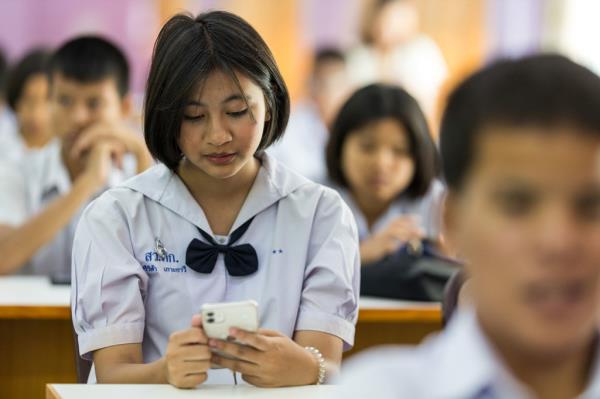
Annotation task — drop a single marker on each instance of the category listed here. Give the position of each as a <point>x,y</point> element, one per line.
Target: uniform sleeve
<point>108,283</point>
<point>330,293</point>
<point>13,195</point>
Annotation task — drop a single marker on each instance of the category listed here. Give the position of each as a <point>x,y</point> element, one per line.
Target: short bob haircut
<point>371,104</point>
<point>186,52</point>
<point>90,59</point>
<point>33,63</point>
<point>542,90</point>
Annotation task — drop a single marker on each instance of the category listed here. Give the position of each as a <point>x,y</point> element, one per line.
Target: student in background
<point>41,197</point>
<point>218,220</point>
<point>27,96</point>
<point>395,51</point>
<point>383,161</point>
<point>303,148</point>
<point>8,128</point>
<point>523,208</point>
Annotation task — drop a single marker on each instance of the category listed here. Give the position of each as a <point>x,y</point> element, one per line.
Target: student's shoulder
<point>11,170</point>
<point>126,197</point>
<point>114,203</point>
<point>387,372</point>
<point>398,371</point>
<point>455,363</point>
<point>37,166</point>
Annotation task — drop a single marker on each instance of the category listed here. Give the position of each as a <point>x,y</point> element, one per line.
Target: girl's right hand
<point>188,357</point>
<point>401,230</point>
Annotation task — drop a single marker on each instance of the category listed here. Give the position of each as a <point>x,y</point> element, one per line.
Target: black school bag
<point>416,272</point>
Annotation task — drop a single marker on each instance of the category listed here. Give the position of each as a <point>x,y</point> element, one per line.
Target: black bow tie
<point>240,260</point>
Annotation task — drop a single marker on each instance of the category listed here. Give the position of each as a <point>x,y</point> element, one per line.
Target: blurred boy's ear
<point>449,220</point>
<point>127,106</point>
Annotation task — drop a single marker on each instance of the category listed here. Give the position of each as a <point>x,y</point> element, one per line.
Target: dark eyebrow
<point>233,97</point>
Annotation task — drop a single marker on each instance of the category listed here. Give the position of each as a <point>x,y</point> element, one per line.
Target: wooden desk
<point>55,391</point>
<point>36,342</point>
<point>386,321</point>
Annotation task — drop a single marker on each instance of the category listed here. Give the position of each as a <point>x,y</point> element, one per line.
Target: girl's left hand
<point>267,358</point>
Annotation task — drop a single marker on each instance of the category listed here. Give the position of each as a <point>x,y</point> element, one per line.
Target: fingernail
<point>233,331</point>
<point>212,343</point>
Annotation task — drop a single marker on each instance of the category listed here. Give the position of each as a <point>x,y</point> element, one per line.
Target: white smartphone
<point>218,318</point>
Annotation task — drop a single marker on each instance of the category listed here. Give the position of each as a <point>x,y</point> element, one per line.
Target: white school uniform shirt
<point>303,233</point>
<point>459,363</point>
<point>427,208</point>
<point>29,185</point>
<point>12,145</point>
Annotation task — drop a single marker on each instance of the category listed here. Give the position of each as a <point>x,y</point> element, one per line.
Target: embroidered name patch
<point>155,263</point>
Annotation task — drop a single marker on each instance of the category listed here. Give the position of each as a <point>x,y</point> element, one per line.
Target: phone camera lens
<point>210,314</point>
<point>211,320</point>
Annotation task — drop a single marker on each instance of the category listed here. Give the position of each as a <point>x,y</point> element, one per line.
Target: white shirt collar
<point>273,182</point>
<point>467,365</point>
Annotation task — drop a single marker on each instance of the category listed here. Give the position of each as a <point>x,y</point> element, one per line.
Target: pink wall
<point>132,24</point>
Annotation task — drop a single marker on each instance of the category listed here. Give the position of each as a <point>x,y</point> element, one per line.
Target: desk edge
<point>58,312</point>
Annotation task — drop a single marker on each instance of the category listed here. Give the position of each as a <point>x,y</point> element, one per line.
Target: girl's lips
<point>377,182</point>
<point>221,159</point>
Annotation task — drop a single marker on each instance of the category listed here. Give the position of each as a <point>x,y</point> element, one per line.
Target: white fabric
<point>302,147</point>
<point>28,186</point>
<point>12,146</point>
<point>427,209</point>
<point>418,66</point>
<point>304,236</point>
<point>459,363</point>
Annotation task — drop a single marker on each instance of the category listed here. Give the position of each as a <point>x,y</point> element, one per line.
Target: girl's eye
<point>193,117</point>
<point>238,114</point>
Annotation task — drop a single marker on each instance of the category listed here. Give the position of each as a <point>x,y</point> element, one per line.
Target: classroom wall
<point>292,28</point>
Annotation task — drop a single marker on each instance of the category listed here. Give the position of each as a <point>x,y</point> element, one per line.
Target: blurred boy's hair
<point>542,90</point>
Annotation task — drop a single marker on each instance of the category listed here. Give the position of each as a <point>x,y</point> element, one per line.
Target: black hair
<point>3,73</point>
<point>33,63</point>
<point>542,90</point>
<point>376,102</point>
<point>187,50</point>
<point>89,59</point>
<point>327,54</point>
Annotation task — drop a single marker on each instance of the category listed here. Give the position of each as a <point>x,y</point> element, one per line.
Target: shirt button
<point>221,241</point>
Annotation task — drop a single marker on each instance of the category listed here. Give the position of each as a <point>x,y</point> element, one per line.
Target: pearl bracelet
<point>321,360</point>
